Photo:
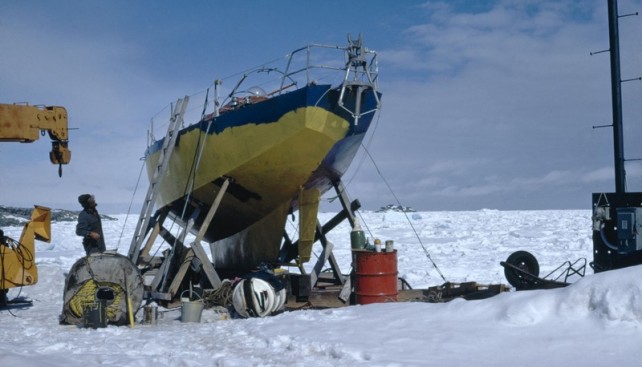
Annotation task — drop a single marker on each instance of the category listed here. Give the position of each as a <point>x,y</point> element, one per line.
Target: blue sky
<point>486,104</point>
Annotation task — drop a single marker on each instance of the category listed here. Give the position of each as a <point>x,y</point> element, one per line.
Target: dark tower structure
<point>617,217</point>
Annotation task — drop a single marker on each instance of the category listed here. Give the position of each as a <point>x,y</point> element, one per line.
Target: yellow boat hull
<point>309,145</point>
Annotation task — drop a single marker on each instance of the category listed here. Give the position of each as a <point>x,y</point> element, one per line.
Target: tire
<point>525,261</point>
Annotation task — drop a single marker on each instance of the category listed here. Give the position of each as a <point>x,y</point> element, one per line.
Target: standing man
<point>89,226</point>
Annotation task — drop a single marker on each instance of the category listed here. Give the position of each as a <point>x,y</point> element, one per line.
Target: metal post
<point>616,97</point>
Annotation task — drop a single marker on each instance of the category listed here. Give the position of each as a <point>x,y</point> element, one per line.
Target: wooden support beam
<point>189,225</point>
<point>186,261</point>
<point>341,216</point>
<point>162,296</point>
<point>179,258</point>
<point>208,267</point>
<point>212,211</point>
<point>177,250</point>
<point>150,241</point>
<point>346,290</point>
<point>173,255</point>
<point>348,210</point>
<point>334,264</point>
<point>159,278</point>
<point>160,274</point>
<point>318,267</point>
<point>155,224</point>
<point>344,199</point>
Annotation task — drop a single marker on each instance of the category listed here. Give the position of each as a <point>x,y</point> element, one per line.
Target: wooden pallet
<point>328,297</point>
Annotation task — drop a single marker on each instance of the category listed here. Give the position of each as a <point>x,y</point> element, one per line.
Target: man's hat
<point>83,199</point>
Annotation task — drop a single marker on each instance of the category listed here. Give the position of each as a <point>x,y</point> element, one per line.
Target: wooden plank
<point>334,265</point>
<point>162,296</point>
<point>212,211</point>
<point>180,274</point>
<point>160,274</point>
<point>158,219</point>
<point>150,241</point>
<point>208,268</point>
<point>345,200</point>
<point>346,291</point>
<point>190,224</point>
<point>326,299</point>
<point>413,295</point>
<point>177,250</point>
<point>330,297</point>
<point>318,267</point>
<point>153,262</point>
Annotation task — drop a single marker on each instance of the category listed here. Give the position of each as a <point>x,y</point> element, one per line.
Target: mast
<point>616,98</point>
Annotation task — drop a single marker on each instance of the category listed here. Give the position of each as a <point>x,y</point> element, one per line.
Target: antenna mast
<point>616,97</point>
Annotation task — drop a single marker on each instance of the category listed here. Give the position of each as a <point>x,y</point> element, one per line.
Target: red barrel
<point>375,277</point>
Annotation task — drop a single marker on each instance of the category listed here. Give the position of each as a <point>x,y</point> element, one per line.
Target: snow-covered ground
<point>594,322</point>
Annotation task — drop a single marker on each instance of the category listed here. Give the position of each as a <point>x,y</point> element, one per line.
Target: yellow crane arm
<point>25,124</point>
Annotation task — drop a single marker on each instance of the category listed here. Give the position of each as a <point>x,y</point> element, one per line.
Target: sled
<point>522,272</point>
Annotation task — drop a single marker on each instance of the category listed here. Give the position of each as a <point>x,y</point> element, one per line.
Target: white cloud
<point>477,104</point>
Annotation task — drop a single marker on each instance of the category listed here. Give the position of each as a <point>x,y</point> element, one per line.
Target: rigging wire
<point>189,187</point>
<point>405,214</point>
<point>130,203</point>
<point>362,158</point>
<point>234,75</point>
<point>368,144</point>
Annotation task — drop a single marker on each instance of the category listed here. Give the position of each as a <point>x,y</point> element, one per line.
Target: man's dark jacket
<point>89,221</point>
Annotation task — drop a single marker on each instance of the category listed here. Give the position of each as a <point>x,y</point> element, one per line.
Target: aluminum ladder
<point>169,142</point>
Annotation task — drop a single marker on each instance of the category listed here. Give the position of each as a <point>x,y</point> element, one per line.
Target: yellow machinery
<point>17,258</point>
<point>25,124</point>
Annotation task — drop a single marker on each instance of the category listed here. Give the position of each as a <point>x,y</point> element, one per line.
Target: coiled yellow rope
<point>86,295</point>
